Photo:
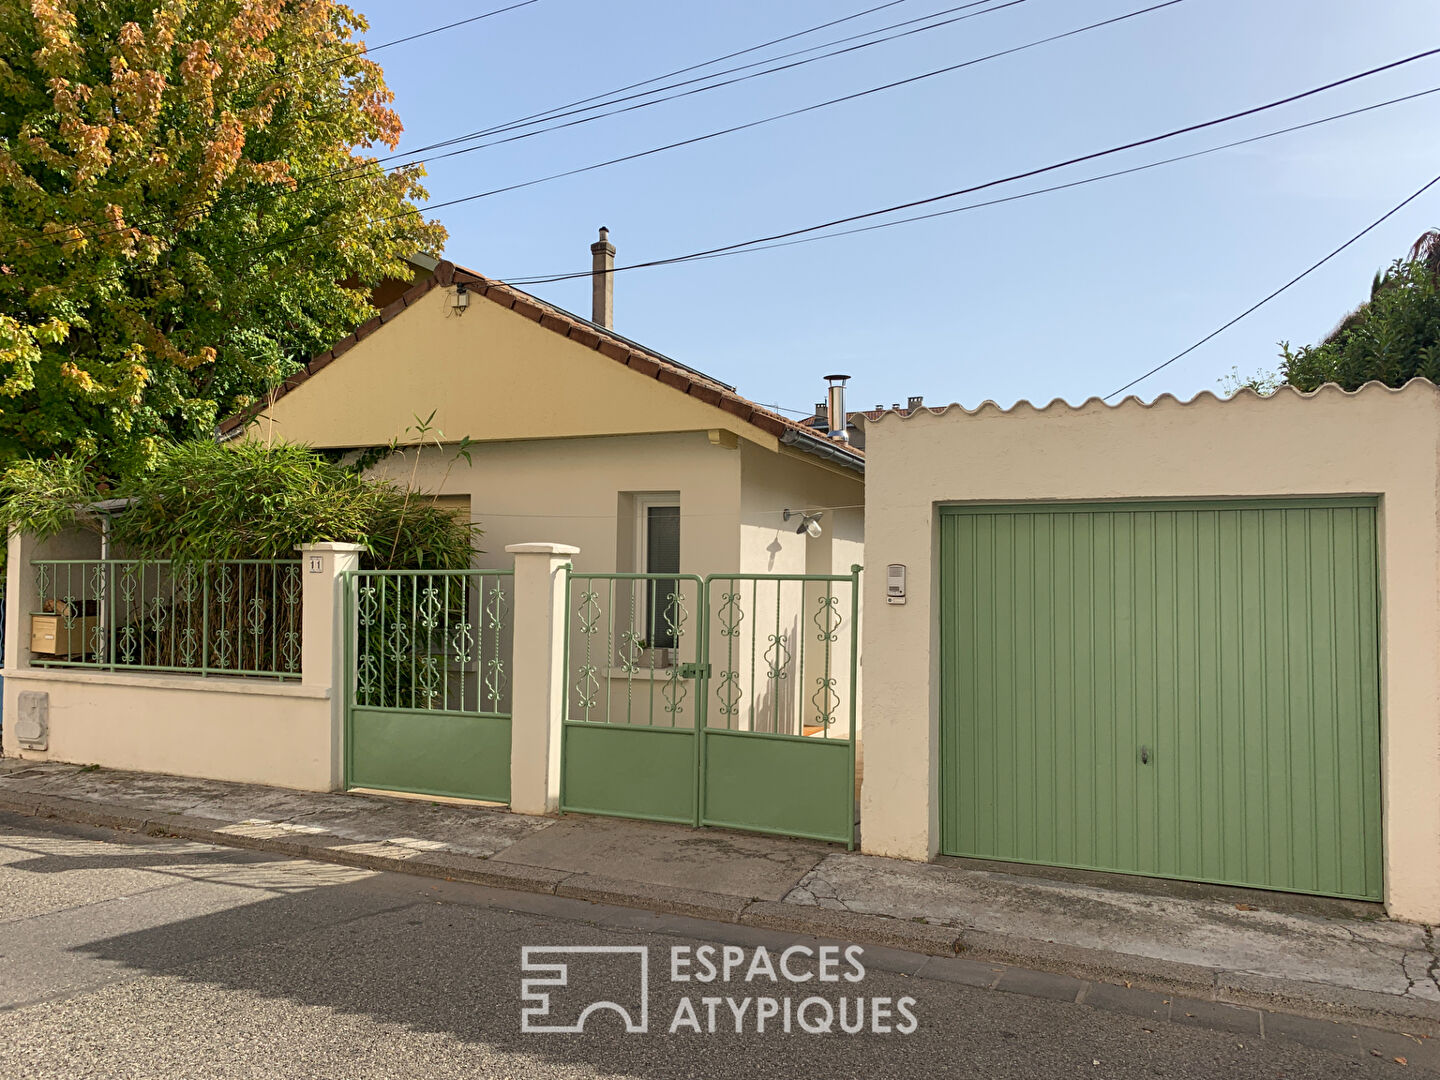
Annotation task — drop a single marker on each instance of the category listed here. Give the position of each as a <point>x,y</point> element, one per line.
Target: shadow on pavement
<point>436,959</point>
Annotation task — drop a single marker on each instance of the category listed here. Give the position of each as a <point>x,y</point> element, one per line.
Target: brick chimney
<point>602,287</point>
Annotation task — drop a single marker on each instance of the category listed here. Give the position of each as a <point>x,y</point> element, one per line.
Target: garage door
<point>1180,690</point>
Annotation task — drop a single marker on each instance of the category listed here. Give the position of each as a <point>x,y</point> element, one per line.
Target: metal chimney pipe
<point>835,409</point>
<point>602,285</point>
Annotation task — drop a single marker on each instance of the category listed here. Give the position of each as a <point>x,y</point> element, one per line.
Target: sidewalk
<point>1264,950</point>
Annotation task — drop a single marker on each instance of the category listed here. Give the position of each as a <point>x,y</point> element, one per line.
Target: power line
<point>1085,181</point>
<point>779,116</point>
<point>359,170</point>
<point>1081,159</point>
<point>786,67</point>
<point>1293,281</point>
<point>560,113</point>
<point>671,74</point>
<point>1082,182</point>
<point>365,50</point>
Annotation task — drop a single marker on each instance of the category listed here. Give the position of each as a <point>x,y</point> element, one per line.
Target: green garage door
<point>1181,690</point>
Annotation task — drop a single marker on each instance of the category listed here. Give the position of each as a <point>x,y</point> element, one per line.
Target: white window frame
<point>643,505</point>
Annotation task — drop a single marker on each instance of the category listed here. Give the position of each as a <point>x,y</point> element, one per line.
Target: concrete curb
<point>716,907</point>
<point>1316,1000</point>
<point>1140,973</point>
<point>924,938</point>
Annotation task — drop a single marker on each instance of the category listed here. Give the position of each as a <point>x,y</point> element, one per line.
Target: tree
<point>1393,337</point>
<point>184,186</point>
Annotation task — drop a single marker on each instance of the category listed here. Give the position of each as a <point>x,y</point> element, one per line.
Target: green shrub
<point>1392,338</point>
<point>204,500</point>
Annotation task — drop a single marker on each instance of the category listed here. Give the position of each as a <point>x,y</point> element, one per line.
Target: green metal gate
<point>1183,690</point>
<point>428,695</point>
<point>727,701</point>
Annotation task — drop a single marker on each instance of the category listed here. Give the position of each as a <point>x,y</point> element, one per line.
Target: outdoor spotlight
<point>809,522</point>
<point>462,298</point>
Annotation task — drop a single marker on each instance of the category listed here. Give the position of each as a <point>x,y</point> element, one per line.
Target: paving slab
<point>706,860</point>
<point>1375,956</point>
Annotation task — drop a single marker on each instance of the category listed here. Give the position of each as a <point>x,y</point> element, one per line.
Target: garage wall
<point>1377,442</point>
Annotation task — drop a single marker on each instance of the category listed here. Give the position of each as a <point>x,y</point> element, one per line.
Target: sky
<point>1063,295</point>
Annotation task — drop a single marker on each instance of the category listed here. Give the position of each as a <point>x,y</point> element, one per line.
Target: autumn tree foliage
<point>184,186</point>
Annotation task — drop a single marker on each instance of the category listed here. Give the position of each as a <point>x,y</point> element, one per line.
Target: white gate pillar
<point>322,634</point>
<point>538,672</point>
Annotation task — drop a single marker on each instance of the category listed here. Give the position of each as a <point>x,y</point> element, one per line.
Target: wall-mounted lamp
<point>809,522</point>
<point>462,299</point>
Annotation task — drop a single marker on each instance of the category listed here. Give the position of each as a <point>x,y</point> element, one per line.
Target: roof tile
<point>344,345</point>
<point>585,337</point>
<point>642,364</point>
<point>707,394</point>
<point>529,310</point>
<point>738,407</point>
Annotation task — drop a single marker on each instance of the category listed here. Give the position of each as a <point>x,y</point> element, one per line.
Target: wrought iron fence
<point>632,649</point>
<point>214,617</point>
<point>782,649</point>
<point>432,640</point>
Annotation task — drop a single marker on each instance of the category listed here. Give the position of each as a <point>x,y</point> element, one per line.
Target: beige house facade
<point>576,435</point>
<point>1195,640</point>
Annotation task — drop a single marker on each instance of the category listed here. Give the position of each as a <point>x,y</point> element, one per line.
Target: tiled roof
<point>619,349</point>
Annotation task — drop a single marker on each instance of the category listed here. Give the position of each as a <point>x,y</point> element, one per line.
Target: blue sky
<point>1064,295</point>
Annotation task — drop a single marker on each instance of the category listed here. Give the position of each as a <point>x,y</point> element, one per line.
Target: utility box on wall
<point>32,726</point>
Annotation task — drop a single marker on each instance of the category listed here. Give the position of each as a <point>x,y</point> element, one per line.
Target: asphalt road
<point>128,956</point>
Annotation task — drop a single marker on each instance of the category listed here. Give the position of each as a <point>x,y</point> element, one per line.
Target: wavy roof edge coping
<point>606,342</point>
<point>1166,400</point>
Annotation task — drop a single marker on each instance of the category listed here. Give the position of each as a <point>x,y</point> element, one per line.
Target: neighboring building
<point>577,435</point>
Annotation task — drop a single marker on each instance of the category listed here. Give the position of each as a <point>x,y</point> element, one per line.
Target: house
<point>577,435</point>
<point>1193,640</point>
<point>706,550</point>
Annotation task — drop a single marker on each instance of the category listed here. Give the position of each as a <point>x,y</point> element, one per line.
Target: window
<point>660,554</point>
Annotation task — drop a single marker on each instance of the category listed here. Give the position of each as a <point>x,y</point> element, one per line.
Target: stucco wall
<point>491,374</point>
<point>246,730</point>
<point>568,491</point>
<point>770,545</point>
<point>1375,442</point>
<point>772,484</point>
